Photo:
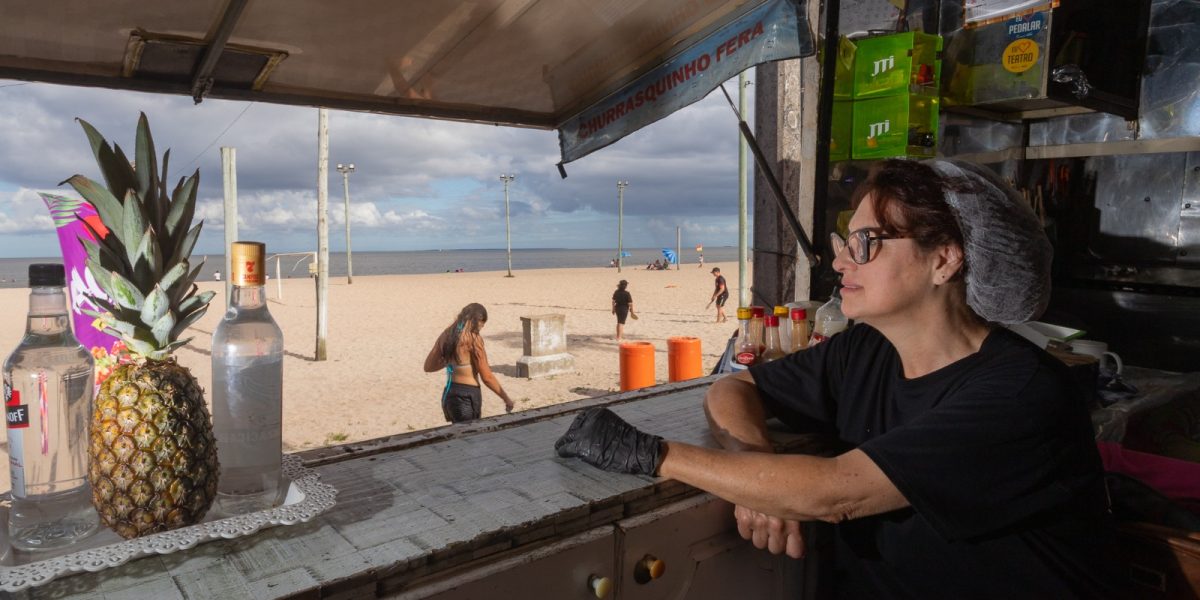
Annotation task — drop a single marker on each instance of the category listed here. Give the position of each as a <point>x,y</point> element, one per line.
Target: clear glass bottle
<point>247,390</point>
<point>48,401</point>
<point>829,320</point>
<point>746,350</point>
<point>773,350</point>
<point>799,329</point>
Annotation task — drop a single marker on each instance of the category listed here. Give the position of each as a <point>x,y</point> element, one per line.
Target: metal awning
<point>531,63</point>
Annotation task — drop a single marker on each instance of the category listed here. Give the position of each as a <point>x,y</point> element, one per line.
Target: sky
<point>419,184</point>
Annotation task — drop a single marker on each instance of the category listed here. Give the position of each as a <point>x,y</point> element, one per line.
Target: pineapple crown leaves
<point>142,264</point>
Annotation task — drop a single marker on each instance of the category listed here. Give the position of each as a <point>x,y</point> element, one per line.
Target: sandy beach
<point>382,327</point>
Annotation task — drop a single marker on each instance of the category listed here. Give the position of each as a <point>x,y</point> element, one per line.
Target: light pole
<point>507,178</point>
<point>621,185</point>
<point>346,170</point>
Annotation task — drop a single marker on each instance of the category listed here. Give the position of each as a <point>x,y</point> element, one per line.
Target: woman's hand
<point>772,533</point>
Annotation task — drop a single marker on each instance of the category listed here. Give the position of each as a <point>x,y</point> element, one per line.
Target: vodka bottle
<point>247,390</point>
<point>829,319</point>
<point>773,349</point>
<point>48,399</point>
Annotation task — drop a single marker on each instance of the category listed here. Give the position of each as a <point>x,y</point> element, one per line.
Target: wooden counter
<point>412,506</point>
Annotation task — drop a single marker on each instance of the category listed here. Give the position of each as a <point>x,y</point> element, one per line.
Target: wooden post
<point>322,231</point>
<point>278,277</point>
<point>744,298</point>
<point>229,172</point>
<point>678,250</point>
<point>787,102</point>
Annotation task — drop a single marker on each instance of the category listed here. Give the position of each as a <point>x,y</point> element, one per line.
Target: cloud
<point>432,178</point>
<point>23,212</point>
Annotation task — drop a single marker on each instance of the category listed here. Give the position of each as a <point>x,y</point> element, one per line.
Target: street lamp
<point>507,178</point>
<point>621,185</point>
<point>346,170</point>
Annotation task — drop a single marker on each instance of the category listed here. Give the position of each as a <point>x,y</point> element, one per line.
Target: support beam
<point>322,233</point>
<point>202,79</point>
<point>229,173</point>
<point>787,102</point>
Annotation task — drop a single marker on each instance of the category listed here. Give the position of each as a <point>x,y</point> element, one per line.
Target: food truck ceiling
<point>534,63</point>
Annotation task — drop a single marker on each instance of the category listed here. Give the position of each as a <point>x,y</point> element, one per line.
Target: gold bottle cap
<point>246,260</point>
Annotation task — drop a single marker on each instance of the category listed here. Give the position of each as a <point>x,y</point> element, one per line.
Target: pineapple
<point>152,457</point>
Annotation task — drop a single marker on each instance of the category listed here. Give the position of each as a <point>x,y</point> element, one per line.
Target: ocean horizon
<point>14,272</point>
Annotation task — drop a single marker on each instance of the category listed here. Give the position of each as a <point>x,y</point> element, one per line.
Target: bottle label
<point>16,437</point>
<point>745,358</point>
<point>17,413</point>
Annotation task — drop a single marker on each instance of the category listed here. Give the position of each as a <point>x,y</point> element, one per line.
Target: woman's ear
<point>948,264</point>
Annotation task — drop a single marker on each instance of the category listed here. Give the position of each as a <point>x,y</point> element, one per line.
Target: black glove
<point>602,439</point>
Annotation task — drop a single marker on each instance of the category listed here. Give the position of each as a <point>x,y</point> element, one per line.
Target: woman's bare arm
<point>736,415</point>
<point>434,360</point>
<point>795,487</point>
<point>479,362</point>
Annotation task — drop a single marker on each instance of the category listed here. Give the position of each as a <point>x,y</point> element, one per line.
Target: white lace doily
<point>306,498</point>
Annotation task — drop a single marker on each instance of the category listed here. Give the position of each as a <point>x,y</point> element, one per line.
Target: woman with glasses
<point>973,471</point>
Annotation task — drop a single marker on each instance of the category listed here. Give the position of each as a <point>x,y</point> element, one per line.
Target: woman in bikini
<point>459,349</point>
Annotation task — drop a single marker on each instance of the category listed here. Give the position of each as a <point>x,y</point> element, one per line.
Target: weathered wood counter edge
<point>391,443</point>
<point>415,506</point>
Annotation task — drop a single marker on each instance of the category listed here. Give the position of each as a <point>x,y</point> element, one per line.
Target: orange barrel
<point>683,358</point>
<point>637,365</point>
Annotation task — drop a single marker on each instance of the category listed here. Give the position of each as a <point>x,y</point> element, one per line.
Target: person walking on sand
<point>720,294</point>
<point>701,261</point>
<point>459,349</point>
<point>622,306</point>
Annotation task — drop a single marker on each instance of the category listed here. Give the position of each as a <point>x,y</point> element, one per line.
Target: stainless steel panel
<point>1170,97</point>
<point>704,555</point>
<point>962,134</point>
<point>1077,129</point>
<point>1189,212</point>
<point>1138,197</point>
<point>560,570</point>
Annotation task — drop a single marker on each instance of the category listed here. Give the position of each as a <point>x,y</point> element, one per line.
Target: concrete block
<point>544,335</point>
<point>542,366</point>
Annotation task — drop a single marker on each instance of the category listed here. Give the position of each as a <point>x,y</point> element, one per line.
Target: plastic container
<point>745,350</point>
<point>830,319</point>
<point>637,365</point>
<point>799,327</point>
<point>683,358</point>
<point>773,350</point>
<point>785,327</point>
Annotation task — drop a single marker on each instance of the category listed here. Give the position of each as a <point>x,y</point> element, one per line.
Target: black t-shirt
<point>720,283</point>
<point>995,453</point>
<point>623,298</point>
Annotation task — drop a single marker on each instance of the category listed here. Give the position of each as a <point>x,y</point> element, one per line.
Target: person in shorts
<point>720,294</point>
<point>459,350</point>
<point>622,307</point>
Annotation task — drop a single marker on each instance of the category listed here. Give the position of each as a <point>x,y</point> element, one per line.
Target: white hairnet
<point>1007,253</point>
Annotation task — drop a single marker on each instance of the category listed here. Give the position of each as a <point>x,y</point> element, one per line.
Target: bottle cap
<point>781,311</point>
<point>772,321</point>
<point>246,261</point>
<point>799,313</point>
<point>758,311</point>
<point>744,314</point>
<point>47,275</point>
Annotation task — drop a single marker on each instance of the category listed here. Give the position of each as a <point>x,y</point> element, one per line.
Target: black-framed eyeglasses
<point>863,243</point>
